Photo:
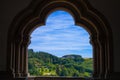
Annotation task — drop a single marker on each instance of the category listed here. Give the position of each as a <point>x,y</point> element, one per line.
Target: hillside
<point>46,64</point>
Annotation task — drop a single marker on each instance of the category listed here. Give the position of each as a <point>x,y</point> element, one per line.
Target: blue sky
<point>60,36</point>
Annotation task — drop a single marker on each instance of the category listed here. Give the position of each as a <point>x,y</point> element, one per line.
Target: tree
<point>45,64</point>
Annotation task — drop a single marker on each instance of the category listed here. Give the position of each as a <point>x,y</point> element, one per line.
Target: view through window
<point>60,48</point>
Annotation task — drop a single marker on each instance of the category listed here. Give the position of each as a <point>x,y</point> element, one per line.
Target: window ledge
<point>57,78</point>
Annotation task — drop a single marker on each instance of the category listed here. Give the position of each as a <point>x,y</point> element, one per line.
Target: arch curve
<point>36,13</point>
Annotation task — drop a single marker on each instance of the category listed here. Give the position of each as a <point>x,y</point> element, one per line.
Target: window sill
<point>57,78</point>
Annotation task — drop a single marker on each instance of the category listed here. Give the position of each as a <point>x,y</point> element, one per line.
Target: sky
<point>60,36</point>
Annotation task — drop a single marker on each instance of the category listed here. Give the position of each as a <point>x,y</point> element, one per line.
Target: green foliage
<point>45,64</point>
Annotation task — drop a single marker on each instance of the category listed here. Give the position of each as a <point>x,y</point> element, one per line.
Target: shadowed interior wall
<point>10,8</point>
<point>110,9</point>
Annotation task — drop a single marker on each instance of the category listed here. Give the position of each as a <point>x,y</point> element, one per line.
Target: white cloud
<point>59,34</point>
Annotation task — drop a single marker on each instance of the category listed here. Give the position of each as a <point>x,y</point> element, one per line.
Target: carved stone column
<point>96,54</point>
<point>21,59</point>
<point>24,58</point>
<point>13,59</point>
<point>18,40</point>
<point>108,59</point>
<point>101,39</point>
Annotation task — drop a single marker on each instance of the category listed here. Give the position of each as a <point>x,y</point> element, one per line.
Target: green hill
<point>46,64</point>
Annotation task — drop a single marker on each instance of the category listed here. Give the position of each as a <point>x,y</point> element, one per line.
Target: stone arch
<point>36,13</point>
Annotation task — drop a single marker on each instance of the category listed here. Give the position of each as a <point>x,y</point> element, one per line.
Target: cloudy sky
<point>61,37</point>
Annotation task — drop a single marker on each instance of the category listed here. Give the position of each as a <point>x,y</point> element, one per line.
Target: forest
<point>45,64</point>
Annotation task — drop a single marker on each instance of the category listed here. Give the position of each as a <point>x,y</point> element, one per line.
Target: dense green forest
<point>45,64</point>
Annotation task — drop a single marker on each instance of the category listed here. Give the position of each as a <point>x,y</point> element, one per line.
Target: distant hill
<point>72,56</point>
<point>45,64</point>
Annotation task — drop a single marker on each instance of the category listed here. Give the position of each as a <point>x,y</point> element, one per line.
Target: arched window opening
<point>60,48</point>
<point>35,14</point>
